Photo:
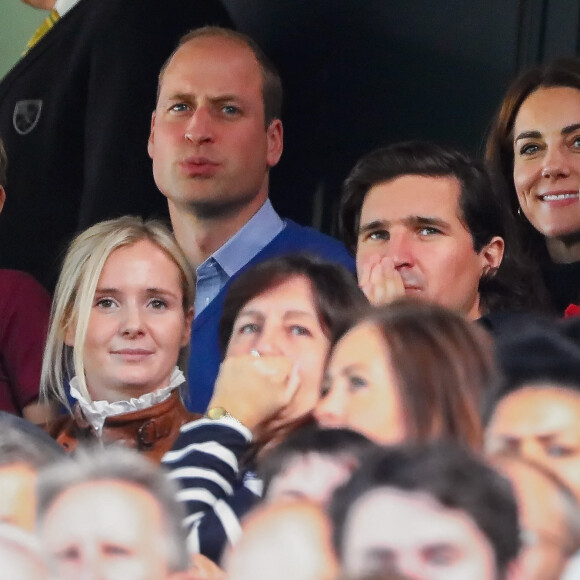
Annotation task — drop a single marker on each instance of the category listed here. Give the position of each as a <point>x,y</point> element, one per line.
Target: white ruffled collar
<point>97,412</point>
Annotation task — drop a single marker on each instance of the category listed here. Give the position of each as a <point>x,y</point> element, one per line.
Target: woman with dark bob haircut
<point>535,144</point>
<point>408,372</point>
<point>279,319</point>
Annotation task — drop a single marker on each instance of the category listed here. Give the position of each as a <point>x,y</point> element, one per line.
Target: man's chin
<point>219,208</point>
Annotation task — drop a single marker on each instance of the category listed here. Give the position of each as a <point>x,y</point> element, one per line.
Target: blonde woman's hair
<point>75,291</point>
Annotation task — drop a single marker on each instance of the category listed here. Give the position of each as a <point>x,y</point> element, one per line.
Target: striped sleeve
<point>204,461</point>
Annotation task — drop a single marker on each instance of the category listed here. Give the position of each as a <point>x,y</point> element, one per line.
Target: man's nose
<point>400,249</point>
<point>199,126</point>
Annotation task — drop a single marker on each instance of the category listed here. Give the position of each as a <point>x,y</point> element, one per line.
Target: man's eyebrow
<point>570,129</point>
<point>422,221</point>
<point>179,97</point>
<point>375,224</point>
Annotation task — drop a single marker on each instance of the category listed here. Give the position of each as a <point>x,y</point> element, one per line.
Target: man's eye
<point>559,451</point>
<point>576,142</point>
<point>68,554</point>
<point>179,108</point>
<point>114,550</point>
<point>230,110</point>
<point>379,235</point>
<point>429,231</point>
<point>441,555</point>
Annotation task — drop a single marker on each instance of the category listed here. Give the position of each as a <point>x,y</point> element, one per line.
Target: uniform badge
<point>26,115</point>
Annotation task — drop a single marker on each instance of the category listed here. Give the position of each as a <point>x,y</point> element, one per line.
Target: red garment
<point>572,310</point>
<point>24,314</point>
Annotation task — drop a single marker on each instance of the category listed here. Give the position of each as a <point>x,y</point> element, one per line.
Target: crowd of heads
<point>394,435</point>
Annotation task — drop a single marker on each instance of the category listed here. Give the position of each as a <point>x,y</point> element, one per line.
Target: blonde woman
<point>120,322</point>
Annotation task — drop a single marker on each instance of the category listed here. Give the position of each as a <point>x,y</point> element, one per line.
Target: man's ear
<point>492,254</point>
<point>275,135</point>
<point>2,197</point>
<point>150,141</point>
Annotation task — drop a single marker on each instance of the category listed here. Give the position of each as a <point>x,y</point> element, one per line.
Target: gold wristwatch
<point>216,413</point>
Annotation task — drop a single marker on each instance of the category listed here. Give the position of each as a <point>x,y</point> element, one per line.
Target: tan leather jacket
<point>151,431</point>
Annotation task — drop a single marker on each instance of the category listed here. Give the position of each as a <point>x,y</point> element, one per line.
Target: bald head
<point>287,541</point>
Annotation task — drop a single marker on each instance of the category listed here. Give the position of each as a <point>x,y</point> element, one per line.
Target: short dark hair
<point>452,476</point>
<point>339,443</point>
<point>3,164</point>
<point>556,358</point>
<point>337,297</point>
<point>564,72</point>
<point>272,93</point>
<point>482,208</point>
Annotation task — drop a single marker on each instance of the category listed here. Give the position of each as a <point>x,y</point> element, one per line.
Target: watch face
<point>216,413</point>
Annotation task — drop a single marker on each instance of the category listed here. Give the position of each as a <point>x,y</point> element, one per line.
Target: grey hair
<point>19,446</point>
<point>75,291</point>
<point>119,464</point>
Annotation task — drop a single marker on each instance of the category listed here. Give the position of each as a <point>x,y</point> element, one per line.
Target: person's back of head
<point>311,462</point>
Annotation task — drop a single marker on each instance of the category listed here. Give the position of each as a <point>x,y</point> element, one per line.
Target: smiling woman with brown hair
<point>535,144</point>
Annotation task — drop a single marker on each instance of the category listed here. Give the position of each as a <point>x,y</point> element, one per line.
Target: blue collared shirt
<point>214,273</point>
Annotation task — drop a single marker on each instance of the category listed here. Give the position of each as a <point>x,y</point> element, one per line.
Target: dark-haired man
<point>215,134</point>
<point>430,222</point>
<point>435,513</point>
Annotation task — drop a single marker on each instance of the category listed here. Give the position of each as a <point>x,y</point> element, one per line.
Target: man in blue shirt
<point>215,134</point>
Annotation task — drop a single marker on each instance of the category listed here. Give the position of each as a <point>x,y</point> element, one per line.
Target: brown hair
<point>499,150</point>
<point>443,365</point>
<point>337,297</point>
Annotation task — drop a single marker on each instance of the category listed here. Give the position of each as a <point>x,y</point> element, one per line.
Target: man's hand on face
<point>380,281</point>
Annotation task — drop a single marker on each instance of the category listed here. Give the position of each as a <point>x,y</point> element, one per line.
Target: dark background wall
<point>361,73</point>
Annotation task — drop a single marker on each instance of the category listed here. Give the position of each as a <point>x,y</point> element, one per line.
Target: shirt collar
<point>96,412</point>
<point>63,6</point>
<point>255,235</point>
